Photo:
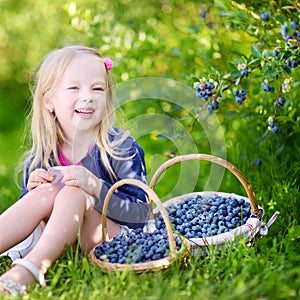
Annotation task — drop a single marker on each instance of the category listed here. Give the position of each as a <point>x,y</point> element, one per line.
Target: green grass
<point>269,269</point>
<point>264,271</point>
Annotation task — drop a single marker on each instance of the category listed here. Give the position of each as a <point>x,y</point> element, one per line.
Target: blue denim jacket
<point>129,204</point>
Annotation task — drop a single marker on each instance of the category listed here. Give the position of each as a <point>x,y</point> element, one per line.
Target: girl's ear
<point>48,102</point>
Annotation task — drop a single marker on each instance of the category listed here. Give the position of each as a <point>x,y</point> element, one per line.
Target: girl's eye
<point>98,88</point>
<point>73,88</point>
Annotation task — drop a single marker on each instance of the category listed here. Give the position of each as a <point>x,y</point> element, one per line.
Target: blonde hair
<point>46,133</point>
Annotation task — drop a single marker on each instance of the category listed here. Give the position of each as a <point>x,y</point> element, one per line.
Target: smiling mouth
<point>84,111</point>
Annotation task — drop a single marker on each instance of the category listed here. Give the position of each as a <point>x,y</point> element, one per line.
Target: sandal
<point>15,288</point>
<point>10,287</point>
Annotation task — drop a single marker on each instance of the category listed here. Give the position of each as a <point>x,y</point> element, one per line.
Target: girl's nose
<point>87,96</point>
<point>88,99</point>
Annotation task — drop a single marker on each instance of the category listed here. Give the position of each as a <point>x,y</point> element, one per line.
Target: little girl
<point>72,121</point>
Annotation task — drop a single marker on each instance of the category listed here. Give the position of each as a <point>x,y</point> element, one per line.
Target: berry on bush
<point>292,64</point>
<point>243,69</point>
<point>258,162</point>
<point>240,96</point>
<point>276,52</point>
<point>284,30</point>
<point>280,102</point>
<point>271,125</point>
<point>265,16</point>
<point>267,87</point>
<point>205,89</point>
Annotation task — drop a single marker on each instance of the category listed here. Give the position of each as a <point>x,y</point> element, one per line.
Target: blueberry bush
<point>268,73</point>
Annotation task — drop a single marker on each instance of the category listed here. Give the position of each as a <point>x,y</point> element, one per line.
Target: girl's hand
<point>38,177</point>
<point>81,177</point>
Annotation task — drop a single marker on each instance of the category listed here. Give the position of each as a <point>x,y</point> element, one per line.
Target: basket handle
<point>216,160</point>
<point>152,196</point>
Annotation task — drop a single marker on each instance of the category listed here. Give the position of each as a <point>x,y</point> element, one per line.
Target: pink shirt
<point>64,162</point>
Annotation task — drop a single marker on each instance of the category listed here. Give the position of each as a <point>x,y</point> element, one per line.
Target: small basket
<point>163,263</point>
<point>248,230</point>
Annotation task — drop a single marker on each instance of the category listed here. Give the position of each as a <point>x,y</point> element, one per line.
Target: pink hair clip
<point>108,63</point>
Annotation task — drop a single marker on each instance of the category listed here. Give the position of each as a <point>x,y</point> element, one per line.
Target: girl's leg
<point>61,230</point>
<point>19,220</point>
<point>91,231</point>
<point>72,211</point>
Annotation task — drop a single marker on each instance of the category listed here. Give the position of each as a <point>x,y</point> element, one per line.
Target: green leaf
<point>230,114</point>
<point>246,115</point>
<point>270,73</point>
<point>253,61</point>
<point>256,51</point>
<point>266,54</point>
<point>292,113</point>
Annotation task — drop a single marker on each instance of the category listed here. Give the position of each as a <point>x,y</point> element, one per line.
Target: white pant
<point>21,249</point>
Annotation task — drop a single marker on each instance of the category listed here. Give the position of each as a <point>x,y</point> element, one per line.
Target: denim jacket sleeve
<point>129,204</point>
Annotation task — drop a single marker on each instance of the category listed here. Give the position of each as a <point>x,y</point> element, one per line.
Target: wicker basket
<point>199,246</point>
<point>174,255</point>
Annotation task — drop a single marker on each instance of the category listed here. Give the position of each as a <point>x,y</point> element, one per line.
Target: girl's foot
<point>16,280</point>
<point>9,287</point>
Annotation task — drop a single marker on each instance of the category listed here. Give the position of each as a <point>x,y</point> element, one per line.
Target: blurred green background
<point>176,40</point>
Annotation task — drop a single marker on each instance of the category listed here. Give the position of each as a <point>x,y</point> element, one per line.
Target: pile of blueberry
<point>136,246</point>
<point>198,217</point>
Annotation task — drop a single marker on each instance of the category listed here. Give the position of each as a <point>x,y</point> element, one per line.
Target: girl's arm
<point>129,204</point>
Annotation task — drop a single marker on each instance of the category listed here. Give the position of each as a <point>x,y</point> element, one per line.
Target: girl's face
<point>79,101</point>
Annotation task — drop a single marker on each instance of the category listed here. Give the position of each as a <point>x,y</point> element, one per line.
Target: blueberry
<point>239,100</point>
<point>243,92</point>
<point>265,86</point>
<point>276,52</point>
<point>294,25</point>
<point>288,63</point>
<point>215,104</point>
<point>284,30</point>
<point>258,162</point>
<point>209,109</point>
<point>265,16</point>
<point>245,72</point>
<point>294,64</point>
